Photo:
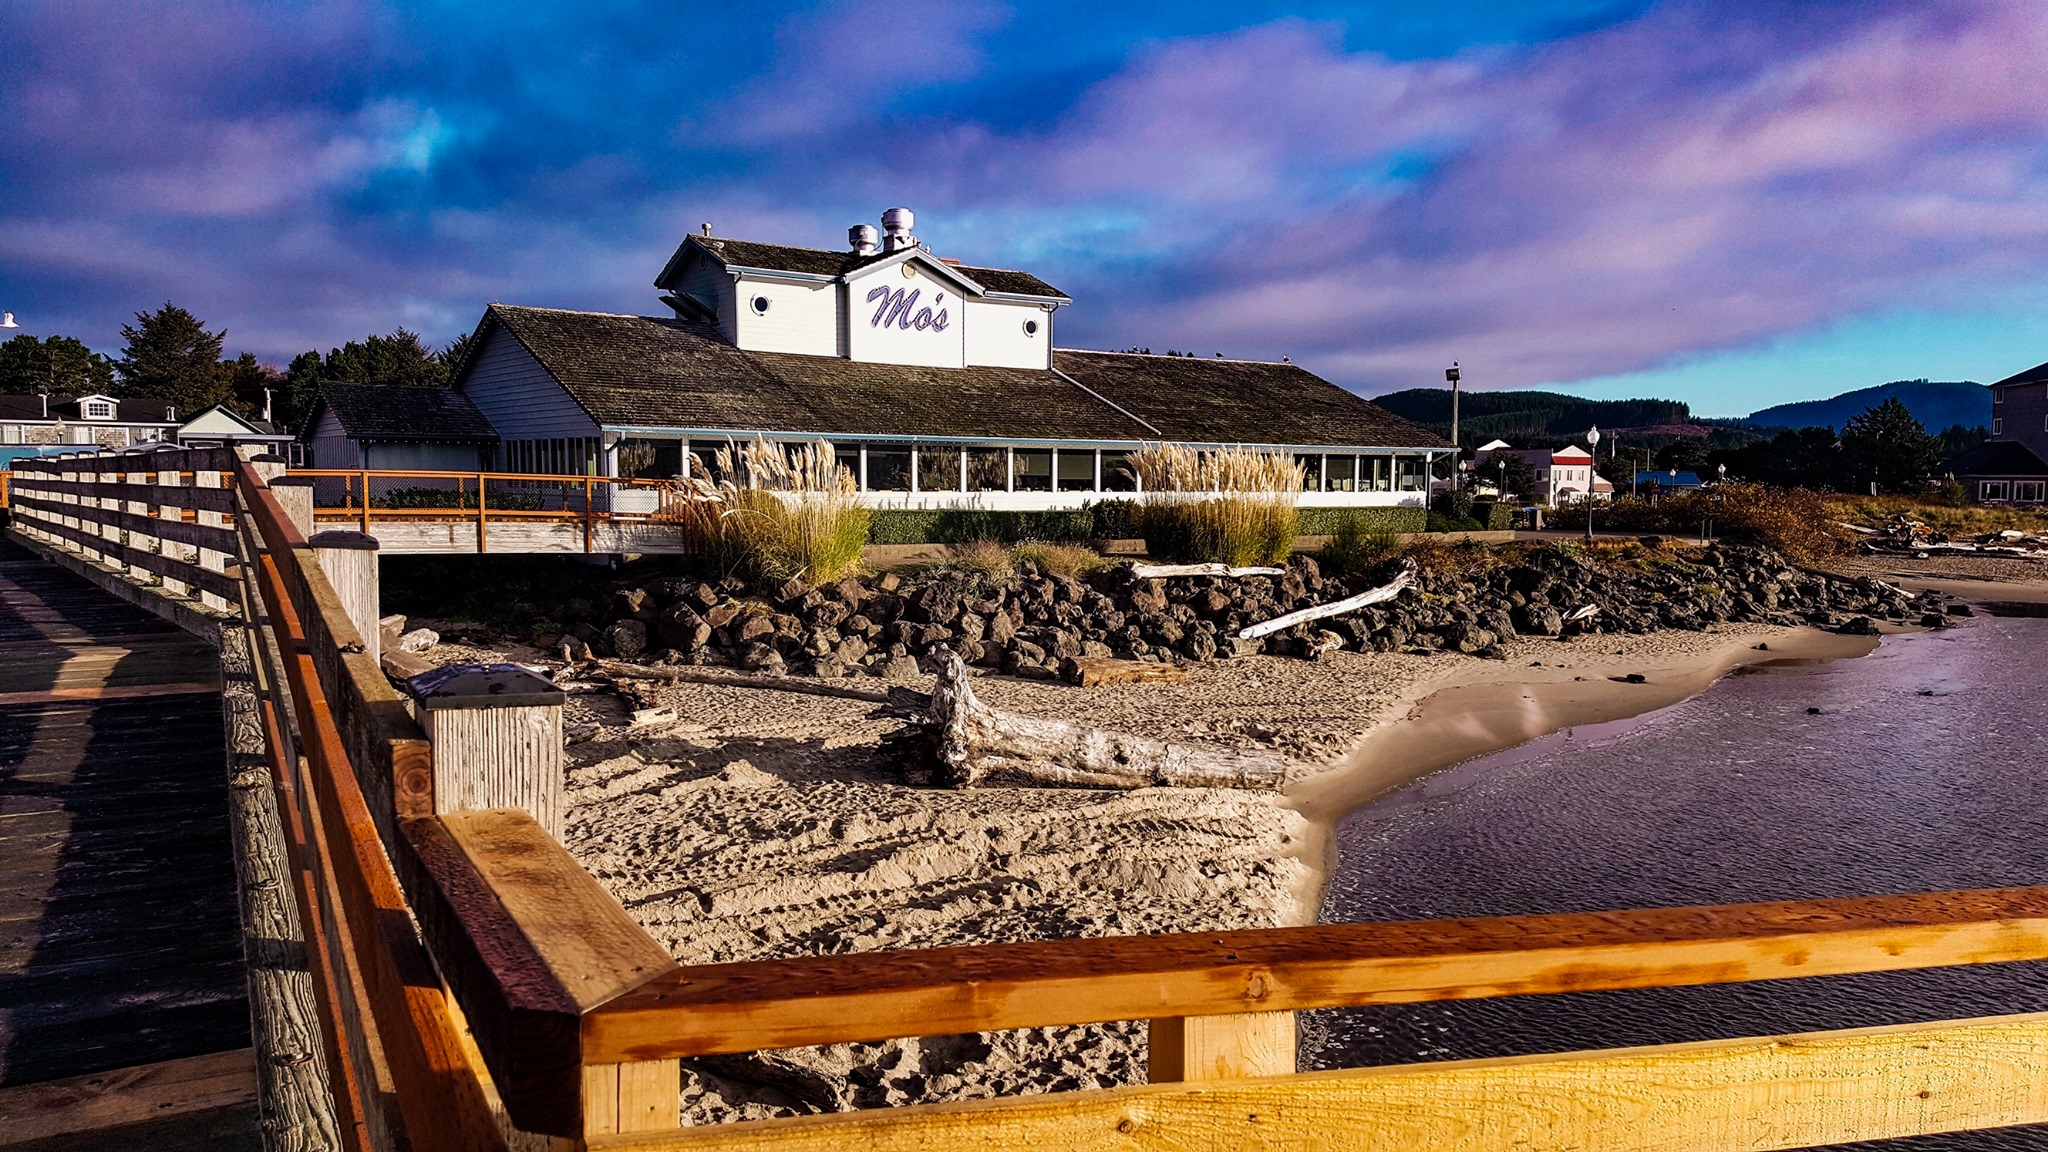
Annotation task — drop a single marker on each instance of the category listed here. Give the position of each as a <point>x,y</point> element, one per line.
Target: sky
<point>1731,203</point>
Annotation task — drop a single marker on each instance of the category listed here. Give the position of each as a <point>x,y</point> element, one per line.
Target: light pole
<point>1592,450</point>
<point>1452,374</point>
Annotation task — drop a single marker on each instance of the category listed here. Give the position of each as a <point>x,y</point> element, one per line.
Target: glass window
<point>938,469</point>
<point>2028,491</point>
<point>650,459</point>
<point>1117,475</point>
<point>1034,469</point>
<point>1993,490</point>
<point>888,468</point>
<point>1077,470</point>
<point>1311,472</point>
<point>1408,473</point>
<point>988,470</point>
<point>1340,473</point>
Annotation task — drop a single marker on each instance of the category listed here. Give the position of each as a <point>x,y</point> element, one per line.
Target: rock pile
<point>1029,624</point>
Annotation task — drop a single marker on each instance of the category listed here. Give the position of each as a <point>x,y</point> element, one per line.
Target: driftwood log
<point>1095,671</point>
<point>1364,599</point>
<point>1160,571</point>
<point>971,743</point>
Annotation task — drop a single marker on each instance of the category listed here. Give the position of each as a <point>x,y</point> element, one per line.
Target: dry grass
<point>1237,505</point>
<point>781,512</point>
<point>1956,520</point>
<point>1069,560</point>
<point>987,557</point>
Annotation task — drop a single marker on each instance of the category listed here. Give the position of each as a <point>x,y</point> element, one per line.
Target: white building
<point>1563,475</point>
<point>939,383</point>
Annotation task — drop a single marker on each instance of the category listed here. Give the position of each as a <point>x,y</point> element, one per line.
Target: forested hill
<point>1521,416</point>
<point>1936,404</point>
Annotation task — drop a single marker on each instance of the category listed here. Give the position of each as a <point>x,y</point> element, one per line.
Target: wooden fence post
<point>1185,1048</point>
<point>350,561</point>
<point>205,466</point>
<point>295,495</point>
<point>496,730</point>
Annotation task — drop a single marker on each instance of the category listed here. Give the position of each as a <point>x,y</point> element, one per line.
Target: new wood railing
<point>349,496</point>
<point>472,974</point>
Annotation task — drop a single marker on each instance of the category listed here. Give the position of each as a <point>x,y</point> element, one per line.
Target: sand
<point>765,824</point>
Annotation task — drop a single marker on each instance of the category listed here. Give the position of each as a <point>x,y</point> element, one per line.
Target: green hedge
<point>1324,521</point>
<point>963,526</point>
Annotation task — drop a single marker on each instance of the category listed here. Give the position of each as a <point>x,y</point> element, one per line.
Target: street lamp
<point>1592,450</point>
<point>7,320</point>
<point>1452,374</point>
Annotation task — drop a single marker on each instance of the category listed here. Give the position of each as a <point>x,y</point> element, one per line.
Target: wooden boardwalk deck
<point>120,943</point>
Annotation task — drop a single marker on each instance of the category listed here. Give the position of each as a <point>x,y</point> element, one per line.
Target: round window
<point>1031,327</point>
<point>761,305</point>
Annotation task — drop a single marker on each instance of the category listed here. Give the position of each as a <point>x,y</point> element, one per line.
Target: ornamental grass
<point>1237,505</point>
<point>777,512</point>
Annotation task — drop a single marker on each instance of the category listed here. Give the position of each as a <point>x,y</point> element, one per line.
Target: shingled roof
<point>638,371</point>
<point>2034,375</point>
<point>1239,401</point>
<point>397,412</point>
<point>823,262</point>
<point>1996,458</point>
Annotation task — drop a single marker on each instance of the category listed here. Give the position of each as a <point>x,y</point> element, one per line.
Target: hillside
<point>1936,404</point>
<point>1523,417</point>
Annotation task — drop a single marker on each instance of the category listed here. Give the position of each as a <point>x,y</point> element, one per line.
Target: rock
<point>852,650</point>
<point>1960,610</point>
<point>681,628</point>
<point>888,582</point>
<point>758,657</point>
<point>792,590</point>
<point>849,592</point>
<point>755,628</point>
<point>700,596</point>
<point>1002,628</point>
<point>628,639</point>
<point>720,614</point>
<point>1198,646</point>
<point>1859,626</point>
<point>1238,646</point>
<point>900,668</point>
<point>632,602</point>
<point>1631,678</point>
<point>1148,597</point>
<point>418,640</point>
<point>1210,603</point>
<point>826,668</point>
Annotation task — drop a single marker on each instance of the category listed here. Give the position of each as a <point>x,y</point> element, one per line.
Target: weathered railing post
<point>205,465</point>
<point>350,561</point>
<point>169,474</point>
<point>1227,1047</point>
<point>295,495</point>
<point>496,730</point>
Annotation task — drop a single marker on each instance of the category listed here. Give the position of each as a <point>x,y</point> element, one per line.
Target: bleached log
<point>726,678</point>
<point>1364,599</point>
<point>1584,613</point>
<point>974,742</point>
<point>1160,571</point>
<point>1095,671</point>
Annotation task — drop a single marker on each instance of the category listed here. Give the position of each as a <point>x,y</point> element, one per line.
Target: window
<point>1116,472</point>
<point>1031,327</point>
<point>888,468</point>
<point>988,470</point>
<point>1997,426</point>
<point>761,305</point>
<point>1033,470</point>
<point>2028,491</point>
<point>10,434</point>
<point>1994,490</point>
<point>1998,395</point>
<point>1077,470</point>
<point>1382,472</point>
<point>1340,473</point>
<point>98,410</point>
<point>1409,473</point>
<point>938,469</point>
<point>1311,472</point>
<point>650,459</point>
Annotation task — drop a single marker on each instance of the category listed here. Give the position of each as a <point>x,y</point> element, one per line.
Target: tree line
<point>169,354</point>
<point>1884,445</point>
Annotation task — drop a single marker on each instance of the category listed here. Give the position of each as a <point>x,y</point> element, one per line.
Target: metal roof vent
<point>862,237</point>
<point>897,224</point>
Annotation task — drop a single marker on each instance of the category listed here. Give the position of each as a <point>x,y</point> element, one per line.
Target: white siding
<point>712,285</point>
<point>996,335</point>
<point>893,344</point>
<point>800,317</point>
<point>518,396</point>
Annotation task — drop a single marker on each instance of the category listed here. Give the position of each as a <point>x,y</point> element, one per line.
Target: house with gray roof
<point>2012,466</point>
<point>938,383</point>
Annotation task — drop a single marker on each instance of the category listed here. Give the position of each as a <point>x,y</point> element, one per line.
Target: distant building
<point>1563,475</point>
<point>220,427</point>
<point>2010,466</point>
<point>938,383</point>
<point>48,425</point>
<point>1668,480</point>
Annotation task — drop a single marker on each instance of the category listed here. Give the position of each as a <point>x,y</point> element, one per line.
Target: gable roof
<point>228,419</point>
<point>1238,401</point>
<point>133,410</point>
<point>398,412</point>
<point>1996,458</point>
<point>2035,375</point>
<point>831,264</point>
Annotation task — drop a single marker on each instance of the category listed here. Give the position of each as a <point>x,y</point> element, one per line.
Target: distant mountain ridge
<point>1937,404</point>
<point>1521,416</point>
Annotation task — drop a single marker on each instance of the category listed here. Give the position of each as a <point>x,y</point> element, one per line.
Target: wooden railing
<point>350,496</point>
<point>468,966</point>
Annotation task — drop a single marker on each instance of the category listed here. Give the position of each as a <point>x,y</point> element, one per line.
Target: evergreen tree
<point>60,365</point>
<point>398,359</point>
<point>171,356</point>
<point>1514,475</point>
<point>451,355</point>
<point>1885,445</point>
<point>247,378</point>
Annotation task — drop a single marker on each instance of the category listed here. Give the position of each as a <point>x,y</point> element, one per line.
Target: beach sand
<point>766,824</point>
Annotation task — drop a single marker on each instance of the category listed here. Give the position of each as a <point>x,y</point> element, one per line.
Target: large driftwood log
<point>1364,599</point>
<point>973,742</point>
<point>1096,671</point>
<point>1151,571</point>
<point>725,678</point>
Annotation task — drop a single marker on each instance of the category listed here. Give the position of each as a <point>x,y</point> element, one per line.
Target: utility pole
<point>1451,374</point>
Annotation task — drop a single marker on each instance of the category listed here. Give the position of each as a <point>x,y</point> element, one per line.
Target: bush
<point>1236,505</point>
<point>1352,548</point>
<point>1493,515</point>
<point>789,513</point>
<point>984,556</point>
<point>968,525</point>
<point>1792,520</point>
<point>1069,560</point>
<point>1329,521</point>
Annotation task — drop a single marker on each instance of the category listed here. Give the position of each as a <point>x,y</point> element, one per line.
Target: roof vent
<point>862,237</point>
<point>897,224</point>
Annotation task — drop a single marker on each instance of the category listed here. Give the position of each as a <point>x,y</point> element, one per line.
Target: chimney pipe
<point>862,237</point>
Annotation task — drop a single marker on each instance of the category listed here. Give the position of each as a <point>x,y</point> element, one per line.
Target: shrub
<point>1236,505</point>
<point>968,525</point>
<point>1326,521</point>
<point>782,513</point>
<point>1792,520</point>
<point>987,557</point>
<point>1069,560</point>
<point>1353,548</point>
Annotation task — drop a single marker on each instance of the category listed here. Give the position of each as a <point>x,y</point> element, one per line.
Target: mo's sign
<point>899,309</point>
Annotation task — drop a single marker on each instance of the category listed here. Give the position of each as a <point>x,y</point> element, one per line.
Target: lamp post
<point>1593,451</point>
<point>1452,375</point>
<point>7,320</point>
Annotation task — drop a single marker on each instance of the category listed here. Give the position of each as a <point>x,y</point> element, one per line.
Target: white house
<point>220,427</point>
<point>938,382</point>
<point>1563,475</point>
<point>33,425</point>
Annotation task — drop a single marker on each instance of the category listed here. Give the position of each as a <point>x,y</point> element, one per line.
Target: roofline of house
<point>1001,441</point>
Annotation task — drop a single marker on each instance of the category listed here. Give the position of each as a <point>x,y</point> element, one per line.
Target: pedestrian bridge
<point>428,968</point>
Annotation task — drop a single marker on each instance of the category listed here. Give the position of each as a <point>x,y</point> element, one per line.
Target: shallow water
<point>1922,770</point>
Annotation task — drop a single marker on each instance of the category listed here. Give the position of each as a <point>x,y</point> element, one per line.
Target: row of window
<point>909,468</point>
<point>2018,491</point>
<point>1998,425</point>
